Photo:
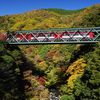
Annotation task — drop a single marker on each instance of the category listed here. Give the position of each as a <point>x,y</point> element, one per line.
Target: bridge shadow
<point>28,71</point>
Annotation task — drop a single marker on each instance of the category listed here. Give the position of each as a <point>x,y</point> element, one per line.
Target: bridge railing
<point>68,35</point>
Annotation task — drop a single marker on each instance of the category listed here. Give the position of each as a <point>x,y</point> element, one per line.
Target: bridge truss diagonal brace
<point>68,35</point>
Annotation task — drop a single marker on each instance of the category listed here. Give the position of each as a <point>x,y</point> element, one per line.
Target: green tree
<point>88,86</point>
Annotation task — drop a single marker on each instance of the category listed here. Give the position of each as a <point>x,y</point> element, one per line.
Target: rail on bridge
<point>53,36</point>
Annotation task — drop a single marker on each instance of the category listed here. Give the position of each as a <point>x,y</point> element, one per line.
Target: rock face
<point>54,95</point>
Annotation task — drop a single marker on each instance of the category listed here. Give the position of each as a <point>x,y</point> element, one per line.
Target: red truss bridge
<point>53,36</point>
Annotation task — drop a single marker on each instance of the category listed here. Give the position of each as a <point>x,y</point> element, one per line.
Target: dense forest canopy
<point>64,12</point>
<point>42,72</point>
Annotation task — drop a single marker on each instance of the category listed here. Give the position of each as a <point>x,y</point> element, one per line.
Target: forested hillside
<point>43,72</point>
<point>64,12</point>
<point>45,19</point>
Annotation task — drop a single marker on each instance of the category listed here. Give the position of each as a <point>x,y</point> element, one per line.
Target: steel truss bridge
<point>53,36</point>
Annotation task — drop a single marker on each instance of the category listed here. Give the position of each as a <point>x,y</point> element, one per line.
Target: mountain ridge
<point>63,11</point>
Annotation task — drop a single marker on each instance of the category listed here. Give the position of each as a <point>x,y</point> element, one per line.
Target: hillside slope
<point>43,19</point>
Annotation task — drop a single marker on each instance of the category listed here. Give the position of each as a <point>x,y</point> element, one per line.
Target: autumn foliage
<point>30,71</point>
